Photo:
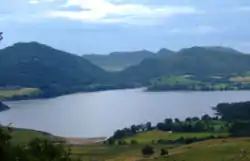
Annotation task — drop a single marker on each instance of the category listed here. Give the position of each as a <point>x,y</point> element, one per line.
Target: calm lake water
<point>101,113</point>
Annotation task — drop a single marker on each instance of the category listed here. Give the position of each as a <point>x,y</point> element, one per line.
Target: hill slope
<point>195,61</point>
<point>117,61</point>
<point>39,66</point>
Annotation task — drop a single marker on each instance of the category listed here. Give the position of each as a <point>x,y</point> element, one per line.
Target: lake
<point>101,113</point>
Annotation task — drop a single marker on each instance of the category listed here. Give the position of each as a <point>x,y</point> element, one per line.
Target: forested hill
<point>193,61</point>
<point>39,66</point>
<point>117,61</point>
<point>54,72</point>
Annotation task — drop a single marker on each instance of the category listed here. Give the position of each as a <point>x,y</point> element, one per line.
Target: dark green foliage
<point>206,118</point>
<point>194,119</point>
<point>238,114</point>
<point>133,142</point>
<point>122,142</point>
<point>192,125</point>
<point>240,129</point>
<point>149,126</point>
<point>233,111</point>
<point>182,140</point>
<point>147,150</point>
<point>119,142</point>
<point>127,132</point>
<point>111,141</point>
<point>36,150</point>
<point>176,120</point>
<point>164,152</point>
<point>53,71</point>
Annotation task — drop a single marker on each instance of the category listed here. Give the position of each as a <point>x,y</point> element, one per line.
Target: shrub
<point>164,152</point>
<point>133,142</point>
<point>147,150</point>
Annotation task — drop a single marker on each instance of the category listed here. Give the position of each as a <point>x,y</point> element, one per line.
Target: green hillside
<point>199,61</point>
<point>54,72</point>
<point>16,92</point>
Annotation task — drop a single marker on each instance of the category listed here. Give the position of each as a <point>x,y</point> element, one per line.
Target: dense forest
<point>52,71</point>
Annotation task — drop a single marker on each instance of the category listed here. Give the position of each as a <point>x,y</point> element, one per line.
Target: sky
<point>104,26</point>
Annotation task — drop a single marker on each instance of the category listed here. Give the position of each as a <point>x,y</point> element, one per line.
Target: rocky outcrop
<point>3,107</point>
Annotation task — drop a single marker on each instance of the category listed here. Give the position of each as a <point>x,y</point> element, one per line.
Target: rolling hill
<point>118,61</point>
<point>53,72</point>
<point>193,61</point>
<point>35,65</point>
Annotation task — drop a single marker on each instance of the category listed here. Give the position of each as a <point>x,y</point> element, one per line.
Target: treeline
<point>183,140</point>
<point>230,117</point>
<point>238,114</point>
<point>194,124</point>
<point>199,87</point>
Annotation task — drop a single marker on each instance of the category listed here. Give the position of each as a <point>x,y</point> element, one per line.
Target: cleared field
<point>232,149</point>
<point>240,79</point>
<point>147,137</point>
<point>112,153</point>
<point>173,80</point>
<point>8,93</point>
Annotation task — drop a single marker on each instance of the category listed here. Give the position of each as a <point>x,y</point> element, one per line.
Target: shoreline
<point>63,139</point>
<point>145,89</point>
<point>84,141</point>
<point>20,98</point>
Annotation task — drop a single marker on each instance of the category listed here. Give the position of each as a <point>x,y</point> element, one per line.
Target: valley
<point>39,67</point>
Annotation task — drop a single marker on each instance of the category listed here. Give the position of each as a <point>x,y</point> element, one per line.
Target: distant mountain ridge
<point>194,60</point>
<point>118,61</point>
<point>57,72</point>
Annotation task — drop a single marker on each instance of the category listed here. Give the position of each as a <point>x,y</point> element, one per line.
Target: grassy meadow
<point>230,149</point>
<point>216,149</point>
<point>197,83</point>
<point>10,93</point>
<point>149,136</point>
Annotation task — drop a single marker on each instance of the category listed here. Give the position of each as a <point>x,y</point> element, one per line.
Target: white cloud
<point>39,1</point>
<point>34,1</point>
<point>109,11</point>
<point>194,30</point>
